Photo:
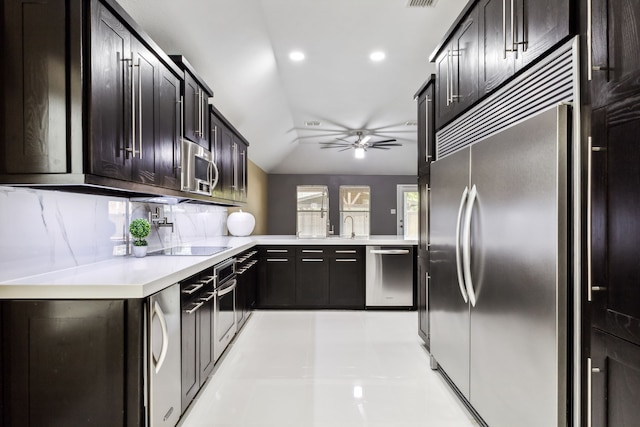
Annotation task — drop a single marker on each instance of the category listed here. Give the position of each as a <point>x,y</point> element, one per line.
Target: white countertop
<point>129,277</point>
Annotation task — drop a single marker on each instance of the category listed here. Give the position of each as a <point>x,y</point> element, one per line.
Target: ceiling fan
<point>361,145</point>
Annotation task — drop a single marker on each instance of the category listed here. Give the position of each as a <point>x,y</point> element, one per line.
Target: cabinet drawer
<point>277,251</point>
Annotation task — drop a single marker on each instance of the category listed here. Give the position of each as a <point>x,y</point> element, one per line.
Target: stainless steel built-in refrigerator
<point>499,271</point>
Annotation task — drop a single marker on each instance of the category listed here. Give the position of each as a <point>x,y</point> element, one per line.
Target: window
<point>355,202</point>
<point>312,211</point>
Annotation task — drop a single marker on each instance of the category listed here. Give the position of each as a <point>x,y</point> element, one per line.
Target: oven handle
<point>228,288</point>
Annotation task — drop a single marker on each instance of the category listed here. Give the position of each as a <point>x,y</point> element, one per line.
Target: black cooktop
<point>190,250</point>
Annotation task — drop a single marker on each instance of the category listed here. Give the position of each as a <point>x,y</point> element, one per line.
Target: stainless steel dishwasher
<point>389,276</point>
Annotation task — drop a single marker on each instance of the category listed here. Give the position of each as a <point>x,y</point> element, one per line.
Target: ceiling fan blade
<point>386,145</point>
<point>344,149</point>
<point>383,141</point>
<point>379,148</point>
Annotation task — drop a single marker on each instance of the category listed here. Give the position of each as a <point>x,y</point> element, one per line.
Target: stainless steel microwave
<point>199,171</point>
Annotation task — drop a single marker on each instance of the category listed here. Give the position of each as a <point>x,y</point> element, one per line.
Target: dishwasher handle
<point>390,251</point>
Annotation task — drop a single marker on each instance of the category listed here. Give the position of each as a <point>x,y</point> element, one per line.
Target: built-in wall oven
<point>225,285</point>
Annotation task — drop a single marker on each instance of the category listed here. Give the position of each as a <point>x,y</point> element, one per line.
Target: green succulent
<point>139,229</point>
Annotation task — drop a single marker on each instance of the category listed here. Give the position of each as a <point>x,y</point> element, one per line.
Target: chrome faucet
<point>154,218</point>
<point>353,235</point>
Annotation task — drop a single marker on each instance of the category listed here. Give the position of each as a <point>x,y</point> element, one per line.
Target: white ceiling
<point>241,48</point>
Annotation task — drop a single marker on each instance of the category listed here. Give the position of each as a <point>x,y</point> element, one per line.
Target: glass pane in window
<point>411,214</point>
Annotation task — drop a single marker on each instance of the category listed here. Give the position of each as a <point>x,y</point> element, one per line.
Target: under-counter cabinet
<point>312,277</point>
<point>247,276</point>
<point>134,130</point>
<point>72,363</point>
<point>277,284</point>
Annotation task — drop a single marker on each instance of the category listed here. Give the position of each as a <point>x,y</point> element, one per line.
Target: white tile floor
<point>327,369</point>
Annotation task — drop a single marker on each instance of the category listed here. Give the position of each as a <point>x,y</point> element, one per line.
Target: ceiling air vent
<point>312,123</point>
<point>421,3</point>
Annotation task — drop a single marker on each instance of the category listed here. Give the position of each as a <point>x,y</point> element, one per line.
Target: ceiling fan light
<point>359,152</point>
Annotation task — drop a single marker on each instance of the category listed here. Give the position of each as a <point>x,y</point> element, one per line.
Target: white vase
<point>240,223</point>
<point>139,251</point>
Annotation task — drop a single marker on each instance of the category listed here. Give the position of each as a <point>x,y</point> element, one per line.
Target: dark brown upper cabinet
<point>512,38</point>
<point>614,60</point>
<point>35,114</point>
<point>426,122</point>
<point>457,71</point>
<point>195,96</point>
<point>130,87</point>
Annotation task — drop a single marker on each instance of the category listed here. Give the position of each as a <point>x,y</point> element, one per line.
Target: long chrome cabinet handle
<point>448,72</point>
<point>460,276</point>
<point>346,260</point>
<point>140,106</point>
<point>589,39</point>
<point>590,371</point>
<point>244,170</point>
<point>589,219</point>
<point>277,260</point>
<point>466,246</point>
<point>165,336</point>
<point>312,260</point>
<point>390,251</point>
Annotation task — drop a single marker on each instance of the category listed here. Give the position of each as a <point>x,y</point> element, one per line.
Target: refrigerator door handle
<point>165,336</point>
<point>466,245</point>
<point>460,276</point>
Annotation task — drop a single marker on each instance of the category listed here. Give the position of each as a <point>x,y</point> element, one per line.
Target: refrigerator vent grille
<point>544,86</point>
<point>421,3</point>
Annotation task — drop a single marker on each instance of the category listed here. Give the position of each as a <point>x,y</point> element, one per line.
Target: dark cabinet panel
<point>218,149</point>
<point>615,223</point>
<point>111,119</point>
<point>196,112</point>
<point>240,170</point>
<point>34,121</point>
<point>495,62</point>
<point>312,281</point>
<point>457,72</point>
<point>539,26</point>
<point>69,362</point>
<point>615,379</point>
<point>615,63</point>
<point>426,123</point>
<point>423,299</point>
<point>207,337</point>
<point>346,281</point>
<point>190,356</point>
<point>277,287</point>
<point>167,146</point>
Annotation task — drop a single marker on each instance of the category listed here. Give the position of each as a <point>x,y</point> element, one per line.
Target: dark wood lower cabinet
<point>72,363</point>
<point>277,288</point>
<point>615,380</point>
<point>346,282</point>
<point>312,282</point>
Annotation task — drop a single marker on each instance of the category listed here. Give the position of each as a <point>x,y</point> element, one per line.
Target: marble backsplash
<point>43,230</point>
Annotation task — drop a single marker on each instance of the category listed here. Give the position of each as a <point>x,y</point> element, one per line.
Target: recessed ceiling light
<point>377,56</point>
<point>296,55</point>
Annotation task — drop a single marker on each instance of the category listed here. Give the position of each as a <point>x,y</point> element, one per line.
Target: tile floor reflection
<point>327,369</point>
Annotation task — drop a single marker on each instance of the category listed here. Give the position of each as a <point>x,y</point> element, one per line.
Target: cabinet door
<point>216,132</point>
<point>346,282</point>
<point>423,299</point>
<point>616,63</point>
<point>145,110</point>
<point>241,171</point>
<point>465,60</point>
<point>207,336</point>
<point>423,219</point>
<point>426,137</point>
<point>191,108</point>
<point>615,223</point>
<point>445,106</point>
<point>227,158</point>
<point>168,136</point>
<point>34,135</point>
<point>277,286</point>
<point>495,62</point>
<point>312,282</point>
<point>64,363</point>
<point>540,25</point>
<point>110,135</point>
<point>615,380</point>
<point>190,332</point>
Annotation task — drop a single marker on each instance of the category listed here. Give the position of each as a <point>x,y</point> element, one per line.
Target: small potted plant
<point>139,229</point>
